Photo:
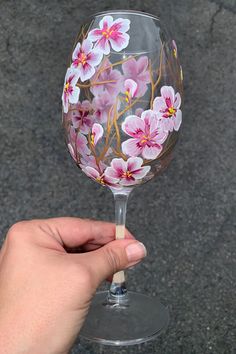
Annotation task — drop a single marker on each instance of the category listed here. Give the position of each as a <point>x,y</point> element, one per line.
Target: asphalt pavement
<point>187,216</point>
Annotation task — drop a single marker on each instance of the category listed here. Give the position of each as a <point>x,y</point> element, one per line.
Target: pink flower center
<point>107,33</point>
<point>127,174</point>
<point>83,114</point>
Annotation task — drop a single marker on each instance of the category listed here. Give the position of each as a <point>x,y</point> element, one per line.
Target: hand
<point>45,291</point>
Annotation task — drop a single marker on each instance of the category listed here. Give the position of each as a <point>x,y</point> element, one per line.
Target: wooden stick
<point>120,234</point>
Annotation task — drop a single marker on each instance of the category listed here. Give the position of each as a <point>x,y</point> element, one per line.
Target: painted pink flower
<point>72,152</point>
<point>81,116</point>
<point>96,172</point>
<point>130,89</point>
<point>100,177</point>
<point>110,34</point>
<point>102,105</point>
<point>78,142</point>
<point>128,172</point>
<point>137,70</point>
<point>97,133</point>
<point>175,50</point>
<point>112,80</point>
<point>70,92</point>
<point>147,137</point>
<point>84,59</point>
<point>167,108</point>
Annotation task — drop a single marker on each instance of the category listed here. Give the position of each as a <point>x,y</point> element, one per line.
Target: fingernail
<point>136,251</point>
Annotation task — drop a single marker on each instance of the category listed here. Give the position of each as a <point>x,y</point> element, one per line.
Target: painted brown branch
<point>128,107</point>
<point>95,83</point>
<point>119,154</point>
<point>93,152</point>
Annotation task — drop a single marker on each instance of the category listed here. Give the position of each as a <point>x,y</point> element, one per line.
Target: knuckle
<point>113,259</point>
<point>16,230</point>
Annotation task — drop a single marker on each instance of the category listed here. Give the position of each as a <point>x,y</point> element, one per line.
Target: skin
<point>49,272</point>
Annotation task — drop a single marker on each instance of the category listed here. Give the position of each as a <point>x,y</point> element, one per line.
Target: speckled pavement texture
<point>186,217</point>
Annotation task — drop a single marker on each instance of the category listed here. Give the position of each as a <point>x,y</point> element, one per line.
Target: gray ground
<point>188,224</point>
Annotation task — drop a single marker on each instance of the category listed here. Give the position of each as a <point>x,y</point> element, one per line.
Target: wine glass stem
<point>118,290</point>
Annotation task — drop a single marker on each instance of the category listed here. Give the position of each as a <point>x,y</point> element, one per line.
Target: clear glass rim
<point>131,12</point>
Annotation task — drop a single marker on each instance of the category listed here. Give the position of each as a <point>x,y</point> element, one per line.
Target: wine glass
<point>121,116</point>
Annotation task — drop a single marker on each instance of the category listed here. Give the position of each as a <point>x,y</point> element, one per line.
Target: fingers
<point>74,232</point>
<point>114,256</point>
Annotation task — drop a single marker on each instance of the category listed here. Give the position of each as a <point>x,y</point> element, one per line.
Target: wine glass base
<point>142,320</point>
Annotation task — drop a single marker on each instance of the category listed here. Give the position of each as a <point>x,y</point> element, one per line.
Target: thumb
<point>113,257</point>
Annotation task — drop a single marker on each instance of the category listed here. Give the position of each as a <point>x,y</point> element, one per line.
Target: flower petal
<point>103,45</point>
<point>131,147</point>
<point>168,92</point>
<point>142,172</point>
<point>142,64</point>
<point>74,97</point>
<point>119,41</point>
<point>106,22</point>
<point>131,86</point>
<point>86,72</point>
<point>94,58</point>
<point>98,131</point>
<point>128,181</point>
<point>159,104</point>
<point>151,152</point>
<point>147,117</point>
<point>72,152</point>
<point>95,35</point>
<point>73,76</point>
<point>119,165</point>
<point>76,51</point>
<point>133,126</point>
<point>81,144</point>
<point>129,68</point>
<point>134,163</point>
<point>65,102</point>
<point>177,120</point>
<point>177,102</point>
<point>87,46</point>
<point>91,172</point>
<point>121,25</point>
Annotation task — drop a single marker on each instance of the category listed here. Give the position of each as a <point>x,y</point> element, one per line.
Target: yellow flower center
<point>92,138</point>
<point>145,138</point>
<point>66,87</point>
<point>171,111</point>
<point>83,58</point>
<point>127,174</point>
<point>100,180</point>
<point>107,33</point>
<point>175,53</point>
<point>127,96</point>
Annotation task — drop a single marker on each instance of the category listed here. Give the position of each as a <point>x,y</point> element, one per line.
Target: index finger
<point>73,232</point>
